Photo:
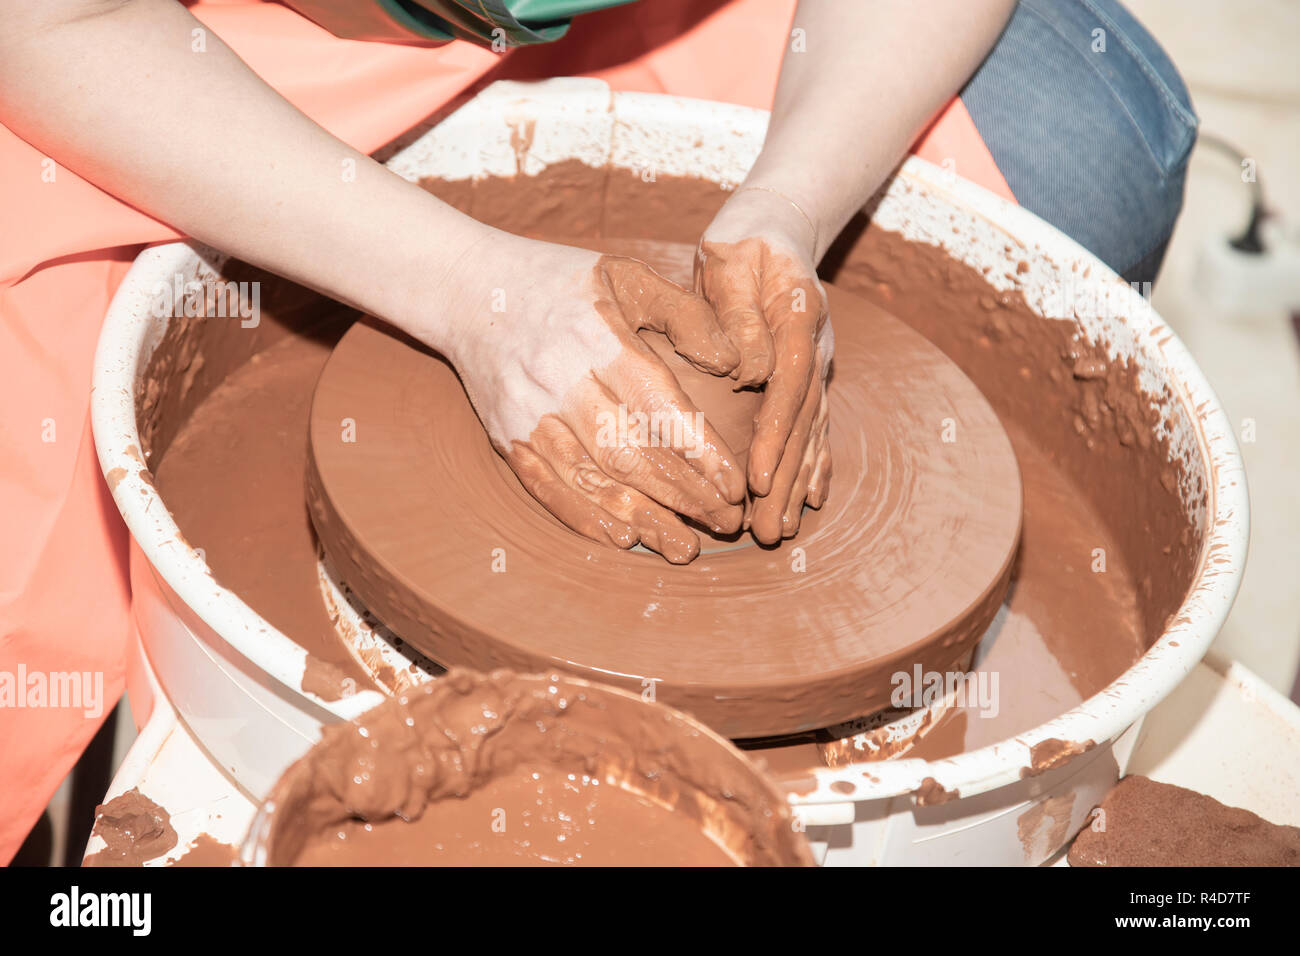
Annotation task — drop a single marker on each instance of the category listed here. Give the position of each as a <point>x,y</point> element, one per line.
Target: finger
<point>649,301</point>
<point>622,446</point>
<point>655,526</point>
<point>816,456</point>
<point>570,506</point>
<point>659,529</point>
<point>679,480</point>
<point>729,278</point>
<point>786,392</point>
<point>643,384</point>
<point>801,489</point>
<point>793,513</point>
<point>772,519</point>
<point>820,483</point>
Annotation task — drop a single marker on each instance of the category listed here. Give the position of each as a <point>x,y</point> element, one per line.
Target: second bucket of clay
<point>524,770</point>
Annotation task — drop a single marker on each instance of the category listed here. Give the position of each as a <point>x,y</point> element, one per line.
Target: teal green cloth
<point>491,23</point>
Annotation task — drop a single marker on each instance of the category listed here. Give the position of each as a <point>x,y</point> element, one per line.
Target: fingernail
<point>732,489</point>
<point>682,552</point>
<point>728,522</point>
<point>725,352</point>
<point>623,536</point>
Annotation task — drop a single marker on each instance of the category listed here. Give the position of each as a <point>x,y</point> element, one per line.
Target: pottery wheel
<point>906,563</point>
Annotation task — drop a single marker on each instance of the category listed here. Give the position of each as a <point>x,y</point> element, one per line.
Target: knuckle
<point>658,398</point>
<point>586,477</point>
<point>622,462</point>
<point>742,321</point>
<point>760,365</point>
<point>684,504</point>
<point>618,502</point>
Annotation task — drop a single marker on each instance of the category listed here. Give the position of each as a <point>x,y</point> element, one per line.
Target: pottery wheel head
<point>905,564</point>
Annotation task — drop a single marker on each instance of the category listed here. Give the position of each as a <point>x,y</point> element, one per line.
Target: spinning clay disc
<point>906,563</point>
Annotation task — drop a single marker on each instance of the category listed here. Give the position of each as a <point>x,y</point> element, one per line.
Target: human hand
<point>544,338</point>
<point>755,266</point>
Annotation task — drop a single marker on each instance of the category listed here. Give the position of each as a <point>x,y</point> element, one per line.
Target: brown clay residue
<point>114,477</point>
<point>232,469</point>
<point>206,850</point>
<point>134,830</point>
<point>1145,823</point>
<point>1044,826</point>
<point>521,141</point>
<point>846,744</point>
<point>931,793</point>
<point>1084,411</point>
<point>1051,753</point>
<point>327,680</point>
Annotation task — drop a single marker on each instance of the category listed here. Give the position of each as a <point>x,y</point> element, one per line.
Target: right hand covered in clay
<point>545,343</point>
<point>756,267</point>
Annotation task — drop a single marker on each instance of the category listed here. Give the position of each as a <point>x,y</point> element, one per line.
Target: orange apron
<point>64,596</point>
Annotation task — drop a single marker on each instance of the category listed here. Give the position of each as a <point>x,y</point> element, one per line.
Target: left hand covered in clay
<point>546,346</point>
<point>755,267</point>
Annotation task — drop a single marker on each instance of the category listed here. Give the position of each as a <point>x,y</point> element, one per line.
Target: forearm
<point>117,93</point>
<point>873,73</point>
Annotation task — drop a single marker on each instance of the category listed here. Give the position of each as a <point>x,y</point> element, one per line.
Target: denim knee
<point>1091,126</point>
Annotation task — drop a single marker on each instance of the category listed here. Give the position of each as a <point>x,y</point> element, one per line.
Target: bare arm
<point>116,91</point>
<point>873,74</point>
<point>860,80</point>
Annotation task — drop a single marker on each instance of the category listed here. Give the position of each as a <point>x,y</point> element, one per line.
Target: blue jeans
<point>1091,126</point>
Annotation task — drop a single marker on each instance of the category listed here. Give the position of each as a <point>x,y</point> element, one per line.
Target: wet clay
<point>1073,409</point>
<point>134,830</point>
<point>206,850</point>
<point>530,818</point>
<point>731,412</point>
<point>1145,823</point>
<point>1090,481</point>
<point>1045,826</point>
<point>1096,476</point>
<point>241,454</point>
<point>514,770</point>
<point>906,563</point>
<point>1085,413</point>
